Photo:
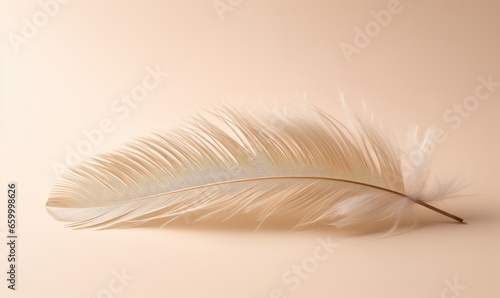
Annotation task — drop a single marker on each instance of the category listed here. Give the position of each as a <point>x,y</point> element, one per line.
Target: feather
<point>235,161</point>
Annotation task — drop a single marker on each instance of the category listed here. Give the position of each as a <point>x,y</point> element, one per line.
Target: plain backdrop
<point>67,68</point>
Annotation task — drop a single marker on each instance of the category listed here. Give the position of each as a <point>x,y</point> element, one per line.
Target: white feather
<point>309,164</point>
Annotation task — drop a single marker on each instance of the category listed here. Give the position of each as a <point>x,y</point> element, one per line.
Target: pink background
<point>413,63</point>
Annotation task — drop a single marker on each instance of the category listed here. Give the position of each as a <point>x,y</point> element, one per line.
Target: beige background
<point>66,78</point>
